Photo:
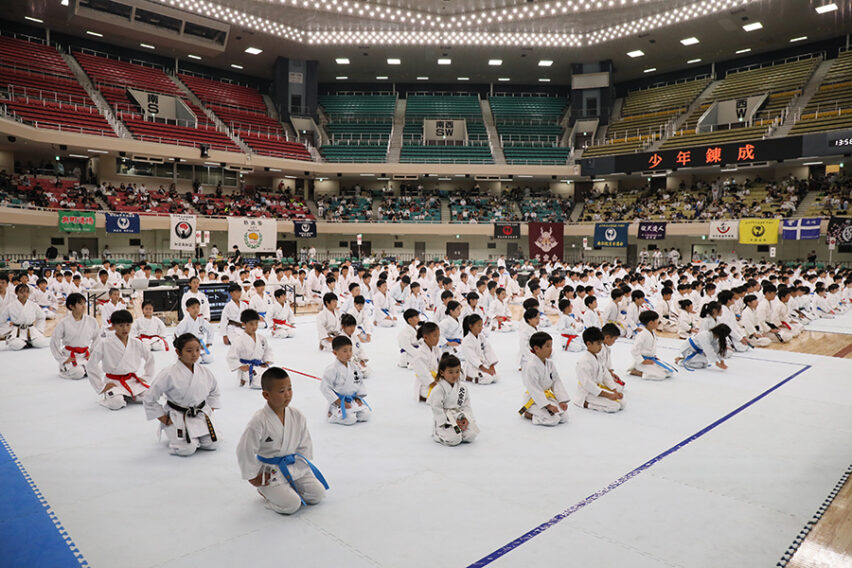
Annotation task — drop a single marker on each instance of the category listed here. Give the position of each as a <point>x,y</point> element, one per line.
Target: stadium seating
<point>338,208</point>
<point>252,204</point>
<point>529,128</point>
<point>135,200</point>
<point>38,87</point>
<point>545,207</point>
<point>468,209</point>
<point>410,209</point>
<point>50,194</point>
<point>359,125</point>
<point>478,154</point>
<point>422,106</point>
<point>831,106</point>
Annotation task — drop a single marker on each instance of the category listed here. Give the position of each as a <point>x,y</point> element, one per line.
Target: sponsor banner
<point>76,222</point>
<point>652,231</point>
<point>801,229</point>
<point>840,228</point>
<point>724,230</point>
<point>122,222</point>
<point>507,230</point>
<point>546,241</point>
<point>305,229</point>
<point>611,234</point>
<point>252,234</point>
<point>759,231</point>
<point>182,232</point>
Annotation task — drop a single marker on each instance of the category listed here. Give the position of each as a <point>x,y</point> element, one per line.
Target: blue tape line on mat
<point>486,560</point>
<point>30,532</point>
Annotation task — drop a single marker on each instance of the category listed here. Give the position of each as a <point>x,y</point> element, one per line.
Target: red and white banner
<point>546,241</point>
<point>724,230</point>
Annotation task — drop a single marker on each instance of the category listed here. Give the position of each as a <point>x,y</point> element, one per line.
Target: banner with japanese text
<point>546,241</point>
<point>255,234</point>
<point>724,230</point>
<point>652,230</point>
<point>76,222</point>
<point>182,232</point>
<point>759,231</point>
<point>611,234</point>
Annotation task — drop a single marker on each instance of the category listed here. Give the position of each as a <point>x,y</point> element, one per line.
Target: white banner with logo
<point>252,234</point>
<point>724,230</point>
<point>182,232</point>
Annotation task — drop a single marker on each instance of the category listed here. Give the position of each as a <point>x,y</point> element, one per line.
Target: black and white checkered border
<point>797,542</point>
<point>56,522</point>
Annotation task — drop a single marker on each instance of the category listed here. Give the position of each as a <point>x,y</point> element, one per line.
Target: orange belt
<point>124,378</point>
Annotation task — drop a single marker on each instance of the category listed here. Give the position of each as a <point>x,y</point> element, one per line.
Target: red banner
<point>547,241</point>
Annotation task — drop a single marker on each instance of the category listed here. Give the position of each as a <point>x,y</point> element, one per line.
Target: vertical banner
<point>76,222</point>
<point>122,222</point>
<point>840,229</point>
<point>546,241</point>
<point>724,230</point>
<point>759,231</point>
<point>652,230</point>
<point>255,234</point>
<point>182,232</point>
<point>611,234</point>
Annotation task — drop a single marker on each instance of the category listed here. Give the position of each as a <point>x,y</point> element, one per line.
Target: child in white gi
<point>499,315</point>
<point>281,316</point>
<point>275,450</point>
<point>261,302</point>
<point>328,321</point>
<point>229,321</point>
<point>73,338</point>
<point>45,299</point>
<point>451,329</point>
<point>149,329</point>
<point>611,333</point>
<point>750,323</point>
<point>194,323</point>
<point>480,361</point>
<point>569,327</point>
<point>644,351</point>
<point>383,308</point>
<point>596,388</point>
<point>526,329</point>
<point>26,319</point>
<point>424,363</point>
<point>363,318</point>
<point>120,367</point>
<point>359,356</point>
<point>343,386</point>
<point>249,350</point>
<point>407,338</point>
<point>114,304</point>
<point>687,319</point>
<point>191,394</point>
<point>452,417</point>
<point>546,400</point>
<point>705,348</point>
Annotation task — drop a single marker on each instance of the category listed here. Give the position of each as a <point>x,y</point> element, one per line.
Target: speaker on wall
<point>205,149</point>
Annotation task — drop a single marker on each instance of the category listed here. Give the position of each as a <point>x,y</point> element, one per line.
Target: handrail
<point>661,84</point>
<point>13,91</point>
<point>775,62</point>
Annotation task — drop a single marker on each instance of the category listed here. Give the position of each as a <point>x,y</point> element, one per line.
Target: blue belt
<point>696,351</point>
<point>344,398</point>
<point>252,363</point>
<point>282,463</point>
<point>262,314</point>
<point>386,312</point>
<point>656,361</point>
<point>204,346</point>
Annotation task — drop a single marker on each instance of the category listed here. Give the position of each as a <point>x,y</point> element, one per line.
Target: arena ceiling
<point>485,41</point>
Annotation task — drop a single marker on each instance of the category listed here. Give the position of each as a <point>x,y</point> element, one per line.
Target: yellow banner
<point>759,231</point>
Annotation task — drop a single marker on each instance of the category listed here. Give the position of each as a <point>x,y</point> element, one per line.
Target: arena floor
<point>710,469</point>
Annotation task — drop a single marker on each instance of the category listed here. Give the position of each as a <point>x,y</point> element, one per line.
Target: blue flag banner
<point>800,229</point>
<point>122,223</point>
<point>305,229</point>
<point>611,234</point>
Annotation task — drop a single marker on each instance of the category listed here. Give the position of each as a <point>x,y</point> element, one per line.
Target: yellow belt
<point>530,402</point>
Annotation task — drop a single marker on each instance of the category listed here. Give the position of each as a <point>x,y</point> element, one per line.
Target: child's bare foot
<point>635,373</point>
<point>242,382</point>
<point>678,360</point>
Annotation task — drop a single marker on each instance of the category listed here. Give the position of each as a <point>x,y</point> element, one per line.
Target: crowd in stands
<point>47,193</point>
<point>251,202</point>
<point>834,197</point>
<point>410,208</point>
<point>480,209</point>
<point>337,209</point>
<point>137,198</point>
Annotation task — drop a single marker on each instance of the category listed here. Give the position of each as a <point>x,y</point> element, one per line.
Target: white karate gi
<point>111,361</point>
<point>196,391</point>
<point>645,345</point>
<point>687,324</point>
<point>262,305</point>
<point>449,403</point>
<point>359,356</point>
<point>590,318</point>
<point>266,436</point>
<point>200,328</point>
<point>476,352</point>
<point>752,327</point>
<point>339,380</point>
<point>26,324</point>
<point>525,331</point>
<point>424,363</point>
<point>592,379</point>
<point>570,326</point>
<point>231,312</point>
<point>363,319</point>
<point>500,317</point>
<point>407,341</point>
<point>328,324</point>
<point>781,318</point>
<point>451,329</point>
<point>383,310</point>
<point>108,309</point>
<point>539,377</point>
<point>244,347</point>
<point>151,332</point>
<point>707,353</point>
<point>70,336</point>
<point>280,320</point>
<point>46,301</point>
<point>631,319</point>
<point>202,298</point>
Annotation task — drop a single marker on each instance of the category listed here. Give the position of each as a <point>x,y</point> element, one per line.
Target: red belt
<point>77,351</point>
<point>787,325</point>
<point>102,302</point>
<point>124,378</point>
<point>277,322</point>
<point>160,337</point>
<point>570,338</point>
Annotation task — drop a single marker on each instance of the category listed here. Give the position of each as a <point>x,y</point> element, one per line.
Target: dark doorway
<point>458,251</point>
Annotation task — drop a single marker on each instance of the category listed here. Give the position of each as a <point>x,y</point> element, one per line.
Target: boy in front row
<point>74,338</point>
<point>596,388</point>
<point>275,450</point>
<point>546,398</point>
<point>343,386</point>
<point>646,364</point>
<point>193,322</point>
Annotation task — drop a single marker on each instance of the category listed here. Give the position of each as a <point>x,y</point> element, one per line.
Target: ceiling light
<point>191,56</point>
<point>445,61</point>
<point>495,62</point>
<point>753,26</point>
<point>394,61</point>
<point>63,3</point>
<point>341,77</point>
<point>800,38</point>
<point>746,50</point>
<point>253,51</point>
<point>96,34</point>
<point>382,78</point>
<point>689,41</point>
<point>826,8</point>
<point>422,78</point>
<point>97,151</point>
<point>147,46</point>
<point>635,53</point>
<point>504,79</point>
<point>342,61</point>
<point>691,61</point>
<point>545,63</point>
<point>235,66</point>
<point>462,78</point>
<point>36,20</point>
<point>543,80</point>
<point>650,70</point>
<point>78,156</point>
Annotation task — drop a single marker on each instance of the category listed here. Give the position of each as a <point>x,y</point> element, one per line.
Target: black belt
<point>192,411</point>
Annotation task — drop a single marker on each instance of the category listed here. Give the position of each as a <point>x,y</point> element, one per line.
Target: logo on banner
<point>758,231</point>
<point>724,230</point>
<point>183,230</point>
<point>123,223</point>
<point>507,230</point>
<point>306,227</point>
<point>253,239</point>
<point>611,234</point>
<point>545,240</point>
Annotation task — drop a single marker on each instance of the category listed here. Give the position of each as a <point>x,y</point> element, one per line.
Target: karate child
<point>191,394</point>
<point>709,316</point>
<point>73,338</point>
<point>193,322</point>
<point>781,315</point>
<point>45,299</point>
<point>569,327</point>
<point>363,318</point>
<point>668,320</point>
<point>120,367</point>
<point>26,321</point>
<point>343,386</point>
<point>260,301</point>
<point>452,416</point>
<point>611,332</point>
<point>230,323</point>
<point>349,328</point>
<point>149,329</point>
<point>383,306</point>
<point>612,312</point>
<point>328,321</point>
<point>750,323</point>
<point>546,400</point>
<point>687,319</point>
<point>281,316</point>
<point>275,450</point>
<point>451,329</point>
<point>591,317</point>
<point>499,315</point>
<point>114,304</point>
<point>644,351</point>
<point>631,318</point>
<point>249,350</point>
<point>596,388</point>
<point>407,338</point>
<point>425,361</point>
<point>480,361</point>
<point>526,329</point>
<point>706,348</point>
